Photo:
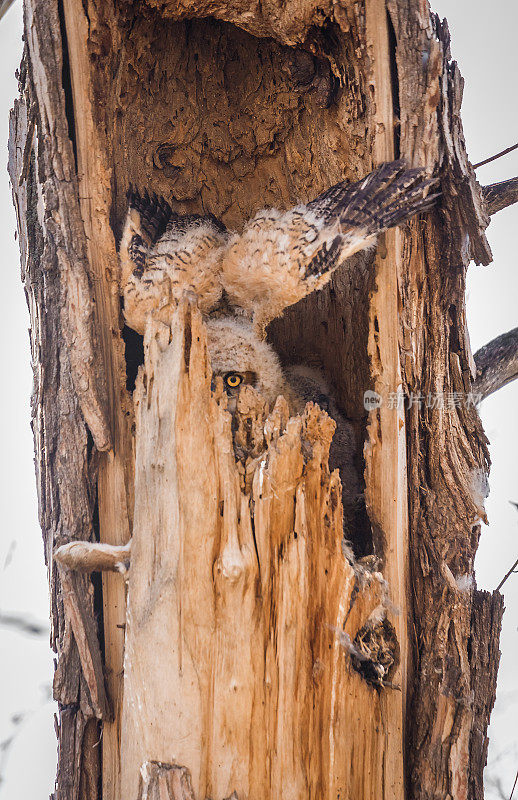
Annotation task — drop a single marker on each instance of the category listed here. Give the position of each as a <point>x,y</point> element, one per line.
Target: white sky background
<point>26,661</point>
<point>484,45</point>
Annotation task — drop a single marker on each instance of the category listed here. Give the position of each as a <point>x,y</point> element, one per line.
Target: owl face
<point>233,382</point>
<point>241,358</point>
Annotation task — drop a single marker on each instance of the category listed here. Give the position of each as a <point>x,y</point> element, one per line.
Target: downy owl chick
<point>279,258</point>
<point>245,280</point>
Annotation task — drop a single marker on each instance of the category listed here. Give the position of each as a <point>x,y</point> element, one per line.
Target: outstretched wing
<point>283,256</point>
<point>163,255</point>
<point>388,196</point>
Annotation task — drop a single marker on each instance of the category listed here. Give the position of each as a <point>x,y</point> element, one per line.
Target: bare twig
<point>497,155</point>
<point>514,786</point>
<point>9,555</point>
<point>497,364</point>
<point>6,744</point>
<point>511,571</point>
<point>496,785</point>
<point>507,575</point>
<point>500,195</point>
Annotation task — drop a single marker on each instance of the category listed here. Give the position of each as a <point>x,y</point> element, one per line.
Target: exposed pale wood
<point>496,364</point>
<point>385,451</point>
<point>249,617</point>
<point>115,510</point>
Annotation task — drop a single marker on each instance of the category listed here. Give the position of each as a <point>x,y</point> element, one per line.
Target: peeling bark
<point>66,492</point>
<point>61,221</point>
<point>487,614</point>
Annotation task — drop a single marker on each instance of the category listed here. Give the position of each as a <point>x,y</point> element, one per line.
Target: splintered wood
<point>242,609</point>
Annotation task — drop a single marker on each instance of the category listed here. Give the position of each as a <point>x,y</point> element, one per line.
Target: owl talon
<point>155,212</point>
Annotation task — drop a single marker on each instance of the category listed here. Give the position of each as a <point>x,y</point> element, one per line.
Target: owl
<point>244,280</point>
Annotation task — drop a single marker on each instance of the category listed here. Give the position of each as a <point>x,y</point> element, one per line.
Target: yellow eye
<point>233,379</point>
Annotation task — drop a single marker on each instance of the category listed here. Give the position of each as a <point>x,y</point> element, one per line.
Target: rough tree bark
<point>245,629</point>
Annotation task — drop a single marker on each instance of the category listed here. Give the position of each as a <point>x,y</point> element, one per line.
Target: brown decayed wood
<point>80,619</point>
<point>164,782</point>
<point>115,477</point>
<point>486,615</point>
<point>288,22</point>
<point>189,156</point>
<point>167,782</point>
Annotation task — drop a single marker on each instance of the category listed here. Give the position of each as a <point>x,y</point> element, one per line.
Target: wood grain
<point>64,467</point>
<point>115,478</point>
<point>384,450</point>
<point>247,597</point>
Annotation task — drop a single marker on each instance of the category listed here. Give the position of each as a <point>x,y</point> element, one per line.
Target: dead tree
<point>247,635</point>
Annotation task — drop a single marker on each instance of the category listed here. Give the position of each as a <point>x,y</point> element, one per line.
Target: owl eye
<point>233,379</point>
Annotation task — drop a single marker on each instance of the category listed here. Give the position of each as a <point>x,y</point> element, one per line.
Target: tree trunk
<point>246,659</point>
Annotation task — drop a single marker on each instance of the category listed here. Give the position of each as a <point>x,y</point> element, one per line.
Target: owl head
<point>240,357</point>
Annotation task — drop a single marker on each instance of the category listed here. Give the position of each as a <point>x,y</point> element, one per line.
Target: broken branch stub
<point>240,601</point>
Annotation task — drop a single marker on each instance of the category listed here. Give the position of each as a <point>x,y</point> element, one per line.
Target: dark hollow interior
<point>229,123</point>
